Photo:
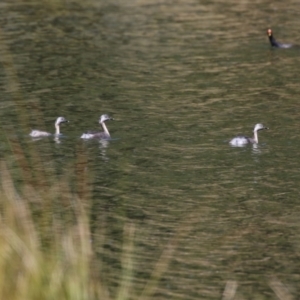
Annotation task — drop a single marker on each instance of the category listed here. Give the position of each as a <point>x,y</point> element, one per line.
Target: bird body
<point>244,140</point>
<point>99,135</point>
<point>39,133</point>
<point>276,44</point>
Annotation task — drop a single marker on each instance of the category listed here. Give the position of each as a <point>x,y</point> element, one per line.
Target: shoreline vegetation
<point>35,264</point>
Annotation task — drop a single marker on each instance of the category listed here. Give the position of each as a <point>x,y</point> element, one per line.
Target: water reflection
<point>256,149</point>
<point>103,144</point>
<point>56,138</point>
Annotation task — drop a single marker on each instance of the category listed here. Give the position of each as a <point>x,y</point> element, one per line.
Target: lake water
<point>180,78</point>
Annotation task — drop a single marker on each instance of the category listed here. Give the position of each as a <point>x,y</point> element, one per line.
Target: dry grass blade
<point>168,253</point>
<point>279,289</point>
<point>160,267</point>
<point>127,262</point>
<point>230,290</point>
<point>28,270</point>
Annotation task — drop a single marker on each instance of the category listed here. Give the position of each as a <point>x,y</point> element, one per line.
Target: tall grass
<point>36,265</point>
<point>31,270</point>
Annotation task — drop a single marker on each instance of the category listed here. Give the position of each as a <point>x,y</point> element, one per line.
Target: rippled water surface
<point>180,78</point>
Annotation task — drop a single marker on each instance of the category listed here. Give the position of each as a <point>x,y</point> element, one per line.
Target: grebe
<point>244,140</point>
<point>274,43</point>
<point>99,135</point>
<point>38,133</point>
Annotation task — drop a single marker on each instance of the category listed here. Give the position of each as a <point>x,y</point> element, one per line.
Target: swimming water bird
<point>99,135</point>
<point>38,133</point>
<point>244,140</point>
<point>274,43</point>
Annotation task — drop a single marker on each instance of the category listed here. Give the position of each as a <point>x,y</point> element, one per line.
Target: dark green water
<point>181,78</point>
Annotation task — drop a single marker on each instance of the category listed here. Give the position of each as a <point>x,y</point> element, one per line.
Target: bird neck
<point>105,129</point>
<point>255,137</point>
<point>273,41</point>
<point>57,129</point>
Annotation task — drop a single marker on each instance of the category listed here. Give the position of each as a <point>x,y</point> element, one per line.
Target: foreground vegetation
<point>38,264</point>
<point>31,269</point>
